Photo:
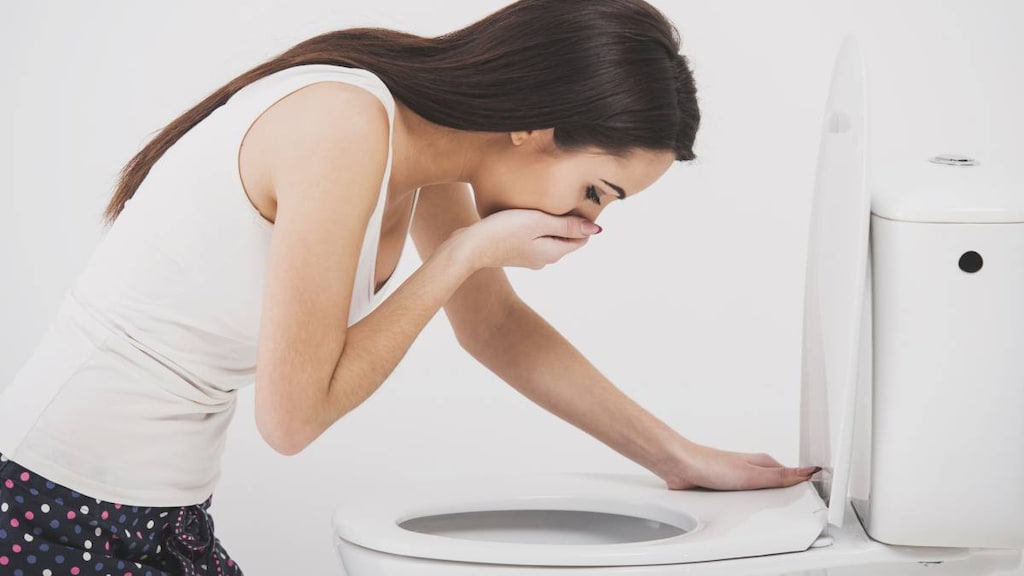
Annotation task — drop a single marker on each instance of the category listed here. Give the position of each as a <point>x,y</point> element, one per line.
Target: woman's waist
<point>128,360</point>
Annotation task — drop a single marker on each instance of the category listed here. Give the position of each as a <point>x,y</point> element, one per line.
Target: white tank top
<point>129,393</point>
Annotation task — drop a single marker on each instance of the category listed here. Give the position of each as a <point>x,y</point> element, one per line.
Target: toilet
<point>901,264</point>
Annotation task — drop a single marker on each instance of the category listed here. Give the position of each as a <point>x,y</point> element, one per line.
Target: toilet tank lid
<point>923,190</point>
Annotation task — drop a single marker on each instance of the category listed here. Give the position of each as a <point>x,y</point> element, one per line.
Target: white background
<point>690,301</point>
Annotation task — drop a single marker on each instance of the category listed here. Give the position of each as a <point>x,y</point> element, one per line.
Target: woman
<point>262,228</point>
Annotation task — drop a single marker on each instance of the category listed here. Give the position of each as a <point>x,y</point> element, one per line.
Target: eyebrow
<point>621,192</point>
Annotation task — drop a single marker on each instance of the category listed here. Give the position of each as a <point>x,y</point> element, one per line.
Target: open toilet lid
<point>835,331</point>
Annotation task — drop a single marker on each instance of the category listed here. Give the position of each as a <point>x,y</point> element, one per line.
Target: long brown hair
<point>605,74</point>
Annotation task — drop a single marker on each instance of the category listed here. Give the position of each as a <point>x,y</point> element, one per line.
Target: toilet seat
<point>728,524</point>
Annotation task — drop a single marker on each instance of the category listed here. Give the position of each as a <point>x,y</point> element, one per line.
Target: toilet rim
<point>645,509</point>
<point>719,524</point>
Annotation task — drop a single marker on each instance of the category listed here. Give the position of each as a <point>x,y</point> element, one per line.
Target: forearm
<point>375,344</point>
<point>535,359</point>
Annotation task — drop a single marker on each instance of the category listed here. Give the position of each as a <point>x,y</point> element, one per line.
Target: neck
<point>425,153</point>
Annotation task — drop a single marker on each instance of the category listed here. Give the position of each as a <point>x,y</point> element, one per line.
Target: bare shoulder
<point>310,129</point>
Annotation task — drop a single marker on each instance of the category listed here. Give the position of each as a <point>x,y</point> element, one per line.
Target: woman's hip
<point>45,525</point>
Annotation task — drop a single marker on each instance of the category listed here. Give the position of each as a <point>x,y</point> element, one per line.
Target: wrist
<point>674,465</point>
<point>459,253</point>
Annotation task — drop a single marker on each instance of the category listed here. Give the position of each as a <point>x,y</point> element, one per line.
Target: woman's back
<point>160,329</point>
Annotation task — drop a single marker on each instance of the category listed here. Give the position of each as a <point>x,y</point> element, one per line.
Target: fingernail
<point>591,228</point>
<point>809,470</point>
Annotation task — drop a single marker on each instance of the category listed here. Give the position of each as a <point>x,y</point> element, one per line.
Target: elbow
<point>284,439</point>
<point>466,343</point>
<point>473,342</point>
<point>287,419</point>
<point>477,336</point>
<point>283,443</point>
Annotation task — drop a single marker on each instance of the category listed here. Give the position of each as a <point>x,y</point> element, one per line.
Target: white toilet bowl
<point>590,524</point>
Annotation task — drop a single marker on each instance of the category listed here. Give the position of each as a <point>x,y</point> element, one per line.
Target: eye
<point>593,195</point>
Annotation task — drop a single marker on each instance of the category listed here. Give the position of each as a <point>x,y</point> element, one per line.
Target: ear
<point>545,138</point>
<point>519,137</point>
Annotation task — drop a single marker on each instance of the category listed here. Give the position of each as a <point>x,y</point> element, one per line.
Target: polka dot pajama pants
<point>50,530</point>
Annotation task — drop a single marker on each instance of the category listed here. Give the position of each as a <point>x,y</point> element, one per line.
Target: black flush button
<point>970,262</point>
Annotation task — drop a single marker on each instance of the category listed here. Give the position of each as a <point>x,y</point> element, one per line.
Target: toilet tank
<point>943,412</point>
<point>947,396</point>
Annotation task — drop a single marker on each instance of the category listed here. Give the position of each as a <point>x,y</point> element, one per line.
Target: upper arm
<point>326,150</point>
<point>483,299</point>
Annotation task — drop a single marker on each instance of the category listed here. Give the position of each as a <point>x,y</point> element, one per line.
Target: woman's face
<point>528,171</point>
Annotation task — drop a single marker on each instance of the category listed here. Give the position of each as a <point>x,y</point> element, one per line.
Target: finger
<point>584,227</point>
<point>762,459</point>
<point>571,243</point>
<point>569,227</point>
<point>774,476</point>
